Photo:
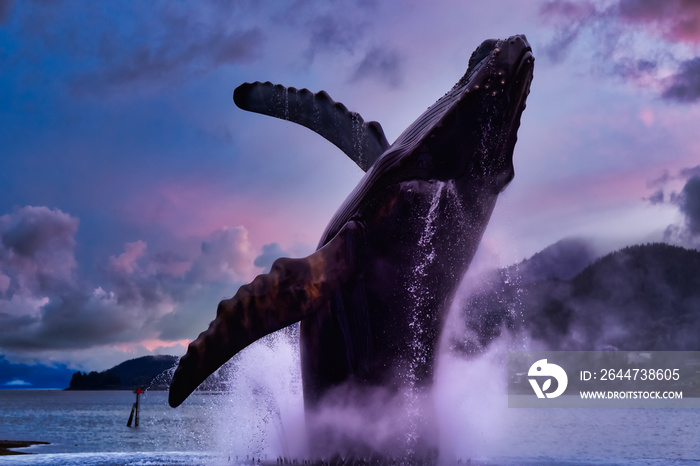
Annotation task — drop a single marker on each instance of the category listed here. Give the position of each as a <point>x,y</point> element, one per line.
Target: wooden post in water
<point>135,410</point>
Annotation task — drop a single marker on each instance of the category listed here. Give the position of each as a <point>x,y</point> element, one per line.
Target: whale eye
<point>539,369</point>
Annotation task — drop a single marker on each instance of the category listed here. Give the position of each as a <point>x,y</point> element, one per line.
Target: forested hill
<point>644,297</point>
<point>129,375</point>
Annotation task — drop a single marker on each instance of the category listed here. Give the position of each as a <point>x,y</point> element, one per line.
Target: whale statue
<point>372,300</point>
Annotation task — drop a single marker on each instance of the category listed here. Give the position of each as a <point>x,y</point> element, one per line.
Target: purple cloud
<point>611,29</point>
<point>676,20</point>
<point>37,250</point>
<point>687,233</point>
<point>690,172</point>
<point>657,197</point>
<point>48,303</point>
<point>684,86</point>
<point>690,204</point>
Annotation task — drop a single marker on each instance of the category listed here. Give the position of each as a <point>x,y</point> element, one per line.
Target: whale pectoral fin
<point>294,289</point>
<point>362,142</point>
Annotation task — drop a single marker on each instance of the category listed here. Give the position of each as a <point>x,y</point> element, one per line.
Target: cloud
<point>660,181</point>
<point>126,261</point>
<point>381,63</point>
<point>17,375</point>
<point>172,60</point>
<point>326,33</point>
<point>270,253</point>
<point>37,249</point>
<point>17,383</point>
<point>48,303</point>
<point>690,172</point>
<point>99,49</point>
<point>675,20</point>
<point>641,41</point>
<point>666,179</point>
<point>690,204</point>
<point>686,233</point>
<point>639,297</point>
<point>5,10</point>
<point>571,18</point>
<point>338,29</point>
<point>684,86</point>
<point>225,255</point>
<point>657,197</point>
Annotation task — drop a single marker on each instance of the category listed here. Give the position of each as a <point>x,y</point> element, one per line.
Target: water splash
<point>357,133</point>
<point>262,411</point>
<point>420,294</point>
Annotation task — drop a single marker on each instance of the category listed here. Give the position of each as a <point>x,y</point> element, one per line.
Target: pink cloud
<point>622,38</point>
<point>196,208</point>
<point>126,261</point>
<point>226,255</point>
<point>47,302</point>
<point>675,20</point>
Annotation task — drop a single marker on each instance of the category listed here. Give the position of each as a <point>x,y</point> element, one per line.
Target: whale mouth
<point>520,85</point>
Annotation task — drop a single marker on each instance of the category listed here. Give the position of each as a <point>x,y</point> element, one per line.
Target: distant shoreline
<point>6,445</point>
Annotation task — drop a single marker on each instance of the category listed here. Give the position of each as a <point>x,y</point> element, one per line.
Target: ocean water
<point>90,428</point>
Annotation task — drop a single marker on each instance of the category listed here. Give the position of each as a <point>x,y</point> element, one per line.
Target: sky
<point>134,195</point>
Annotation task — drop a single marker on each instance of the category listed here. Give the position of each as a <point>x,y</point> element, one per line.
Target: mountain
<point>563,260</point>
<point>644,297</point>
<point>139,372</point>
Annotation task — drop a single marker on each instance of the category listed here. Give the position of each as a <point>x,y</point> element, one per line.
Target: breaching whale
<point>373,298</point>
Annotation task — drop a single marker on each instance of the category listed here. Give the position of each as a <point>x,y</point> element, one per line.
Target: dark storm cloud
<point>690,204</point>
<point>687,232</point>
<point>46,303</point>
<point>36,250</point>
<point>684,86</point>
<point>660,184</point>
<point>34,230</point>
<point>610,31</point>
